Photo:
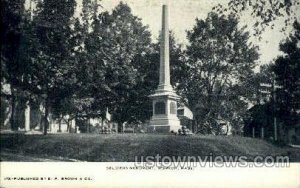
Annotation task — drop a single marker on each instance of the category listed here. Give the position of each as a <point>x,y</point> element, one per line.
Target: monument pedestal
<point>164,118</point>
<point>164,125</point>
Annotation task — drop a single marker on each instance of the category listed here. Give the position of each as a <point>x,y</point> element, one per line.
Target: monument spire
<point>164,68</point>
<point>164,100</point>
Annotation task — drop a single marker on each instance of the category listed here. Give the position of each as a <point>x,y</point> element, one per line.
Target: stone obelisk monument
<point>164,100</point>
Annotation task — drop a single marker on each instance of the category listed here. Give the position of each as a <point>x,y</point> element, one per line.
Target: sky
<point>182,15</point>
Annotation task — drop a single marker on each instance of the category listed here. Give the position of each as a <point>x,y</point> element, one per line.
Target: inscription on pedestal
<point>173,108</point>
<point>160,108</point>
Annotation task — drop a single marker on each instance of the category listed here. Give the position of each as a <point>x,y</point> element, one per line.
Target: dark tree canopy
<point>287,74</point>
<point>51,64</point>
<point>219,58</point>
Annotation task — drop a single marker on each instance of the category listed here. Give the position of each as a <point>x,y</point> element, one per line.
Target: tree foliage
<point>219,58</point>
<point>51,65</point>
<point>15,28</point>
<point>265,12</point>
<point>282,100</point>
<point>287,72</point>
<point>119,43</point>
<point>82,66</point>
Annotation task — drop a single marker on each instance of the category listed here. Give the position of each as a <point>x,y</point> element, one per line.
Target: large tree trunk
<point>68,125</point>
<point>120,127</point>
<point>59,125</point>
<point>46,123</point>
<point>88,126</point>
<point>27,116</point>
<point>13,109</point>
<point>195,126</point>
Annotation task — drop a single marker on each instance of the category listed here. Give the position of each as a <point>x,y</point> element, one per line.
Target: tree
<point>15,44</point>
<point>115,49</point>
<point>77,99</point>
<point>219,58</point>
<point>287,74</point>
<point>257,88</point>
<point>51,67</point>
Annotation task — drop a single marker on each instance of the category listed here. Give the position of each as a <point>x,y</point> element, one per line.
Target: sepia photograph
<point>167,89</point>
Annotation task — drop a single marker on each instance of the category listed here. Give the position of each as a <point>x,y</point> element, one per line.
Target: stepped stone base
<point>164,125</point>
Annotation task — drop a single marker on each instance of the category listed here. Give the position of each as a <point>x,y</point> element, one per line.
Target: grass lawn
<point>124,147</point>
